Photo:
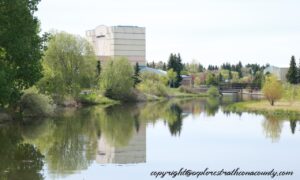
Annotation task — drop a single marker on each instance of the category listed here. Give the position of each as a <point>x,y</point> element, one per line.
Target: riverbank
<point>263,107</point>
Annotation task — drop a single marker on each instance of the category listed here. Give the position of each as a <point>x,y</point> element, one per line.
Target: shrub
<point>153,84</point>
<point>116,79</point>
<point>34,104</point>
<point>157,88</point>
<point>213,91</point>
<point>186,89</point>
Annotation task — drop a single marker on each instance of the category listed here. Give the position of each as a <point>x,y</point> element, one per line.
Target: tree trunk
<point>272,102</point>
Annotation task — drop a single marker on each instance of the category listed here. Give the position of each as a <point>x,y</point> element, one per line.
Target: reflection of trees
<point>293,124</point>
<point>69,142</point>
<point>174,118</point>
<point>18,160</point>
<point>212,106</point>
<point>117,124</point>
<point>272,127</point>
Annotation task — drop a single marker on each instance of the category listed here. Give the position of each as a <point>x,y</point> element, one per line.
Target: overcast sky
<point>209,31</point>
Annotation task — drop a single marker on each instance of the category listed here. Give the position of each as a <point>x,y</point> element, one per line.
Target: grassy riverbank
<point>264,107</point>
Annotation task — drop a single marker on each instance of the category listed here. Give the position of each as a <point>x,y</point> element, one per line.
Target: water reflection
<point>18,160</point>
<point>75,139</point>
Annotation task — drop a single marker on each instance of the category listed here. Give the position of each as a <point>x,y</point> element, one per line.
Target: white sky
<point>209,31</point>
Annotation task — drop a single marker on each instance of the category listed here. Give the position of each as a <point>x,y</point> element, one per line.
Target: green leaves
<point>69,66</point>
<point>116,79</point>
<point>21,66</point>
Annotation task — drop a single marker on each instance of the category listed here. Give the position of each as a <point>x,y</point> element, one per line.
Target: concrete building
<point>119,41</point>
<point>277,71</point>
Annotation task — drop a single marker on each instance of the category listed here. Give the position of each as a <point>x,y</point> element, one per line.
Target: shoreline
<point>281,108</point>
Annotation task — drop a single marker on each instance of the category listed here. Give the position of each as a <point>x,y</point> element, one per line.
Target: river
<point>130,141</point>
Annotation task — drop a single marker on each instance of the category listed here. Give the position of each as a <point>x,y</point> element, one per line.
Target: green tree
<point>172,77</point>
<point>176,64</point>
<point>211,79</point>
<point>19,38</point>
<point>116,79</point>
<point>136,76</point>
<point>98,68</point>
<point>69,65</point>
<point>230,75</point>
<point>272,89</point>
<point>292,72</point>
<point>164,67</point>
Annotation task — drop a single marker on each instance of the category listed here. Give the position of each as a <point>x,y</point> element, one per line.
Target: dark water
<point>129,142</point>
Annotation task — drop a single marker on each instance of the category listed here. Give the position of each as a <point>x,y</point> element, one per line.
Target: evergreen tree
<point>200,68</point>
<point>98,68</point>
<point>176,64</point>
<point>292,72</point>
<point>164,67</point>
<point>136,76</point>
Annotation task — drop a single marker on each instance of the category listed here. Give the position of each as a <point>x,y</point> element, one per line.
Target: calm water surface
<point>129,142</point>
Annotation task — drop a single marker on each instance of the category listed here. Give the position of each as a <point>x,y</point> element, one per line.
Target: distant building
<point>119,41</point>
<point>277,71</point>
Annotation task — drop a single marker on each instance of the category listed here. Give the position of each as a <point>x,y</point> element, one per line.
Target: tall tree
<point>136,76</point>
<point>98,68</point>
<point>69,65</point>
<point>19,38</point>
<point>292,72</point>
<point>175,63</point>
<point>116,79</point>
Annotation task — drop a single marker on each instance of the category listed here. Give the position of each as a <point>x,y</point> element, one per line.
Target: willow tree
<point>69,66</point>
<point>116,79</point>
<point>272,89</point>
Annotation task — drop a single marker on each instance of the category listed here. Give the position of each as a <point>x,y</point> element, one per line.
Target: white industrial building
<point>119,41</point>
<point>279,72</point>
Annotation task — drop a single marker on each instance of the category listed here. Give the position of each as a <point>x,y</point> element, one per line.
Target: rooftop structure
<point>119,41</point>
<point>277,71</point>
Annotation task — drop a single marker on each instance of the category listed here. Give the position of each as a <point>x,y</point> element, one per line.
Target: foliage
<point>69,65</point>
<point>213,91</point>
<point>272,89</point>
<point>95,98</point>
<point>292,72</point>
<point>21,67</point>
<point>34,104</point>
<point>136,76</point>
<point>292,92</point>
<point>98,68</point>
<point>211,79</point>
<point>171,77</point>
<point>153,84</point>
<point>177,66</point>
<point>116,79</point>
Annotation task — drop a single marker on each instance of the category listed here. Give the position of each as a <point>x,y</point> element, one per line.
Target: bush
<point>157,88</point>
<point>213,91</point>
<point>153,84</point>
<point>186,89</point>
<point>94,99</point>
<point>116,79</point>
<point>34,104</point>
